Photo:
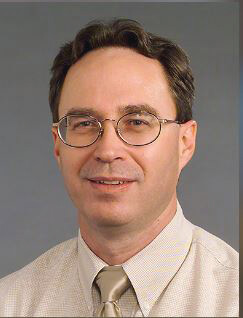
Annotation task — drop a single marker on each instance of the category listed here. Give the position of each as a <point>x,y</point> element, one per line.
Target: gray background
<point>36,212</point>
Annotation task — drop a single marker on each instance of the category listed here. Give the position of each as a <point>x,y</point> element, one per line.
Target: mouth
<point>110,184</point>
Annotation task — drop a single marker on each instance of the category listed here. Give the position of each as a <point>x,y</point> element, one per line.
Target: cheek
<point>71,162</point>
<point>161,164</point>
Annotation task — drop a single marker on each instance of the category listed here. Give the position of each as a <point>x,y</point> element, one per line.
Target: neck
<point>122,247</point>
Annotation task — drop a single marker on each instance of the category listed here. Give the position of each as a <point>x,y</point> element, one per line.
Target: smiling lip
<point>96,183</point>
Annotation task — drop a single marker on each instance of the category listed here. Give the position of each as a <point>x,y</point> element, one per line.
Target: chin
<point>110,217</point>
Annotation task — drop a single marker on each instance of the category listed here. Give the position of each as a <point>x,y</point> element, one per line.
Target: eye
<point>137,122</point>
<point>86,123</point>
<point>81,123</point>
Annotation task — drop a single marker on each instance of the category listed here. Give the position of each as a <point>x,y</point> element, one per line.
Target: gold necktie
<point>112,282</point>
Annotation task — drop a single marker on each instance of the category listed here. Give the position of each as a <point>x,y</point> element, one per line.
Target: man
<point>121,100</point>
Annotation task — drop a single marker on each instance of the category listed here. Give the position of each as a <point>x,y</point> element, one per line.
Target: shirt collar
<point>151,269</point>
<point>89,266</point>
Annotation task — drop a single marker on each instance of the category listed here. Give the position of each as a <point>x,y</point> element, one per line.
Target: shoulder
<point>214,257</point>
<point>45,262</point>
<point>29,280</point>
<point>214,268</point>
<point>215,249</point>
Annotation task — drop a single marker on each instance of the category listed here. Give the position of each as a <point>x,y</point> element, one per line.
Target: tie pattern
<point>112,282</point>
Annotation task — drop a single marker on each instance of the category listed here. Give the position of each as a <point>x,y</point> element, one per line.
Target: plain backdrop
<point>36,212</point>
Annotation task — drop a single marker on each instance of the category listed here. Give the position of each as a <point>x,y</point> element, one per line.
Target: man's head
<point>106,70</point>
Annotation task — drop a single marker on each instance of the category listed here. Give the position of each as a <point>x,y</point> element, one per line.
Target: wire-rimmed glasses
<point>136,129</point>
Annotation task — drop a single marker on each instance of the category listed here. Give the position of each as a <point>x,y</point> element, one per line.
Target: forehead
<point>108,78</point>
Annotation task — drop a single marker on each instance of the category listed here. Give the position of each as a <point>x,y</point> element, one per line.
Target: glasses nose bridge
<point>115,125</point>
<point>108,119</point>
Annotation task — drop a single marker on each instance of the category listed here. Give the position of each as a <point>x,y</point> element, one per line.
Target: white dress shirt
<point>184,272</point>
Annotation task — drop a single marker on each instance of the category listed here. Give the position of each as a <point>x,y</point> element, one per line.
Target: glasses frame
<point>101,130</point>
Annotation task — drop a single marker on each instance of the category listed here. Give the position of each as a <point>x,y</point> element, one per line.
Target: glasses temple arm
<point>165,121</point>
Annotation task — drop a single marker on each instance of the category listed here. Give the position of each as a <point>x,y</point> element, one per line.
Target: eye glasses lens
<point>139,128</point>
<point>79,131</point>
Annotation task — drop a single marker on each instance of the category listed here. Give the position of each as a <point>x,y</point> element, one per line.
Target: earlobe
<point>187,142</point>
<point>56,150</point>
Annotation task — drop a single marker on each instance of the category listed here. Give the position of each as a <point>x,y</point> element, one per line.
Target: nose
<point>109,145</point>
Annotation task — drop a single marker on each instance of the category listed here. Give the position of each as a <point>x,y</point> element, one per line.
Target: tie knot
<point>112,282</point>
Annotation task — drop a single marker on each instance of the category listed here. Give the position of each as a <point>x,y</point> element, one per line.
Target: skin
<point>118,224</point>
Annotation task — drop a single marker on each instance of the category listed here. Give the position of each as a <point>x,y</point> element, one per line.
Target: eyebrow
<point>122,110</point>
<point>83,111</point>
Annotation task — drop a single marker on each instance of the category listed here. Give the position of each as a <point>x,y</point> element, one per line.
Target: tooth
<point>110,182</point>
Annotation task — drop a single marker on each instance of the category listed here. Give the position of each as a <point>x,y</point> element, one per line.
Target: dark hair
<point>126,33</point>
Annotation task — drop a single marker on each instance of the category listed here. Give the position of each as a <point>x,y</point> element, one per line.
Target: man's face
<point>105,81</point>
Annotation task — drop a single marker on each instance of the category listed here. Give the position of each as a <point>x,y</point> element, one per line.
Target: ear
<point>187,142</point>
<point>56,150</point>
